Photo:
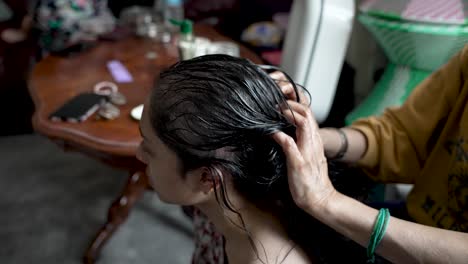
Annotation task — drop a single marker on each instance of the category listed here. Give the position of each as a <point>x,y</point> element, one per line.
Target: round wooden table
<point>54,80</point>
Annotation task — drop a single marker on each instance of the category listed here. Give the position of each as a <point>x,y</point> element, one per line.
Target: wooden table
<point>54,80</point>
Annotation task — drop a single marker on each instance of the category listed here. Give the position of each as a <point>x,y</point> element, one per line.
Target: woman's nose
<point>140,154</point>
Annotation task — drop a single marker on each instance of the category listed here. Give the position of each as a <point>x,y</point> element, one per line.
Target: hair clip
<point>105,88</point>
<point>118,98</point>
<point>109,111</point>
<point>110,90</point>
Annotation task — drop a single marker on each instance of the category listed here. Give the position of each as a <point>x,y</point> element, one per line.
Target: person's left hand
<point>287,88</point>
<point>308,178</point>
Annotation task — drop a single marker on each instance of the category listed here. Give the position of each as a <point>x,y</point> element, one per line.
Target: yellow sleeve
<point>400,140</point>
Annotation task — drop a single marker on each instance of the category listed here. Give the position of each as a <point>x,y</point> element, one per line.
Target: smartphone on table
<point>79,108</point>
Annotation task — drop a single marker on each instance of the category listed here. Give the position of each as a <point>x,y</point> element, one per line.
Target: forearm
<point>357,143</point>
<point>404,242</point>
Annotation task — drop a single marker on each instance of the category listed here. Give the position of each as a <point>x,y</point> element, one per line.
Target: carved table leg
<point>118,213</point>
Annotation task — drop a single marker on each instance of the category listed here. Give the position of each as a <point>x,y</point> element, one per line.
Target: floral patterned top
<point>209,243</point>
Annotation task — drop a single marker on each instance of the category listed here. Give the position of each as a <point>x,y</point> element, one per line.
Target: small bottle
<point>186,42</point>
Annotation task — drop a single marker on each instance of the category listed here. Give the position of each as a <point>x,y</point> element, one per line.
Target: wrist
<point>332,206</point>
<point>324,206</point>
<point>332,141</point>
<point>327,140</point>
<point>332,210</point>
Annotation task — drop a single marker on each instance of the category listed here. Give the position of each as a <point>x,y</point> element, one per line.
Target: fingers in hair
<point>286,87</point>
<point>304,110</point>
<point>294,117</point>
<point>290,149</point>
<point>306,127</point>
<point>277,75</point>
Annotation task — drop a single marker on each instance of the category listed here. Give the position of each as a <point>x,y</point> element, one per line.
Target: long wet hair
<point>219,112</point>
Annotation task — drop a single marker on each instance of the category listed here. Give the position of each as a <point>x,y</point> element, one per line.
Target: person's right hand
<point>329,137</point>
<point>308,178</point>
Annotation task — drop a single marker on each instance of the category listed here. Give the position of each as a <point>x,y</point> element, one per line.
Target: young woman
<point>207,141</point>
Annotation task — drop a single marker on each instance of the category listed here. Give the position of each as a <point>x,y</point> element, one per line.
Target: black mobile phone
<point>79,108</point>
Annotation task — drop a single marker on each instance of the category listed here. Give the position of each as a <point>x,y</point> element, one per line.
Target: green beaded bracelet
<point>378,233</point>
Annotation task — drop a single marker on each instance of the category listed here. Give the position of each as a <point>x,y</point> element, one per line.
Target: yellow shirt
<point>425,142</point>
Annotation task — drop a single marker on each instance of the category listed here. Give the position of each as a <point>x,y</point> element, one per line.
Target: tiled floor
<point>52,203</point>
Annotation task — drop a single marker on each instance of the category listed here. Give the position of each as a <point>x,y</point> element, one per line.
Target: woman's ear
<point>204,179</point>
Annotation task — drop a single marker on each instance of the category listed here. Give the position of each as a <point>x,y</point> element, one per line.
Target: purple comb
<point>119,72</point>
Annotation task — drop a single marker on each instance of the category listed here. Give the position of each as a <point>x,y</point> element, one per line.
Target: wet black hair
<point>219,112</point>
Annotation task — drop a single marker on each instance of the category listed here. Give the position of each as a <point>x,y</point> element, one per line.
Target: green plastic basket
<point>392,89</point>
<point>420,46</point>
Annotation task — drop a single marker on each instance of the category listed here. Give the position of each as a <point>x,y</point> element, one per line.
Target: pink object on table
<point>119,72</point>
<point>435,11</point>
<point>425,11</point>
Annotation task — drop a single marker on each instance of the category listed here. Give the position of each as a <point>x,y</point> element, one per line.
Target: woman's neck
<point>270,239</point>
